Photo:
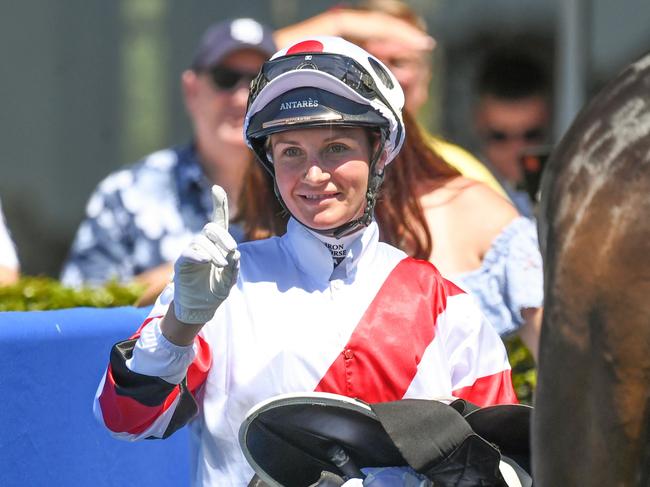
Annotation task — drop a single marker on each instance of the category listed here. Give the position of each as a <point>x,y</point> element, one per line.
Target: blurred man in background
<point>512,116</point>
<point>392,31</point>
<point>141,217</point>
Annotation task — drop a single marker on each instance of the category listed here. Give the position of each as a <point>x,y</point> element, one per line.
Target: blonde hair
<point>395,8</point>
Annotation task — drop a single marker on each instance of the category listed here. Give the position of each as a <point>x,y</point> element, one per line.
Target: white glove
<point>207,269</point>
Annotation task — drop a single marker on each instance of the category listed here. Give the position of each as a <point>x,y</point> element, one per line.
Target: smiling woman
<point>326,307</point>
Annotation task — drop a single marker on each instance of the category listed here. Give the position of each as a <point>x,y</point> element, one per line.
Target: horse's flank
<point>592,408</point>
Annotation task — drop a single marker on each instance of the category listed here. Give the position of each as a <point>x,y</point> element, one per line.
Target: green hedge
<point>524,373</point>
<point>43,293</point>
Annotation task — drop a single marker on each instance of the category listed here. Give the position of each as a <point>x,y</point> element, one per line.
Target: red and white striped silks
<point>379,327</point>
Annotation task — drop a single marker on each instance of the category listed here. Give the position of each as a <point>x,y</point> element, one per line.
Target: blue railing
<point>50,365</point>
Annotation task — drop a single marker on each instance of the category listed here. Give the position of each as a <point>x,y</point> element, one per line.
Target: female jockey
<point>325,307</point>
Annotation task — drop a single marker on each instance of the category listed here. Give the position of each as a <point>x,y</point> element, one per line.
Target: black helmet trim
<point>311,107</point>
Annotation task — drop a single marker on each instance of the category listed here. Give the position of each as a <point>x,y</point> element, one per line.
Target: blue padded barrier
<point>50,365</point>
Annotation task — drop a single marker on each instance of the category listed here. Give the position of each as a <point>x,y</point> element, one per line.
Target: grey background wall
<point>89,85</point>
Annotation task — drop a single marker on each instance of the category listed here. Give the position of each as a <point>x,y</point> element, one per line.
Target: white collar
<point>338,247</point>
<point>312,257</point>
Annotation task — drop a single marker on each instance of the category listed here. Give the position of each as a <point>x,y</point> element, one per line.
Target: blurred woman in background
<point>444,206</point>
<point>472,234</point>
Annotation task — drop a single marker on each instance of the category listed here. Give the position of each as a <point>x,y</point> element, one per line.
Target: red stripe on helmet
<point>306,46</point>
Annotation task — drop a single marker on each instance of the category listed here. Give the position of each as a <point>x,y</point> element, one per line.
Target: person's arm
<point>151,381</point>
<point>149,388</point>
<point>154,281</point>
<point>177,332</point>
<point>8,275</point>
<point>524,284</point>
<point>358,26</point>
<point>531,329</point>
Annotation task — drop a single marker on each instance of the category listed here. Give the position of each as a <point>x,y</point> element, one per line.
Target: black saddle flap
<point>435,440</point>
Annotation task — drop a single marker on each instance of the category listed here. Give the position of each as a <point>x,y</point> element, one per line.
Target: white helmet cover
<point>376,80</point>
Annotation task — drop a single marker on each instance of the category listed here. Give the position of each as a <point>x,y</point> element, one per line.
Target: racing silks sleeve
<point>150,385</point>
<point>480,369</point>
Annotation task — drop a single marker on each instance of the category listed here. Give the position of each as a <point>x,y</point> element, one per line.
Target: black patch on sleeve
<point>186,409</point>
<point>147,390</point>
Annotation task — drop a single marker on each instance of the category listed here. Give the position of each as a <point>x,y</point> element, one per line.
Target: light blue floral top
<point>510,277</point>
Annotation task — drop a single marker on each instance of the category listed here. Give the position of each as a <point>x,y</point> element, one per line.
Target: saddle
<point>321,439</point>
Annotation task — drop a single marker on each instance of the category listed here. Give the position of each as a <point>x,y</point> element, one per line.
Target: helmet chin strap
<point>375,178</point>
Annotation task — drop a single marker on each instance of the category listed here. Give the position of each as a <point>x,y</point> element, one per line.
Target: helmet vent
<point>381,73</point>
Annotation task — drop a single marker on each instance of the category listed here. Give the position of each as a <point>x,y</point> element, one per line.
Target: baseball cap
<point>231,35</point>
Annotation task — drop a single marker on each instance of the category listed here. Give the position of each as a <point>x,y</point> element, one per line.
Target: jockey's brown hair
<point>260,213</point>
<point>399,213</point>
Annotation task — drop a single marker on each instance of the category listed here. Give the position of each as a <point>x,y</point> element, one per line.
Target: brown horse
<point>591,424</point>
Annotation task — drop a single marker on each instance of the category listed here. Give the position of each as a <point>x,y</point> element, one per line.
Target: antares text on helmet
<point>291,105</point>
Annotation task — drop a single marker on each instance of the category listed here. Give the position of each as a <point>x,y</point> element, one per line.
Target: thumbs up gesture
<point>207,269</point>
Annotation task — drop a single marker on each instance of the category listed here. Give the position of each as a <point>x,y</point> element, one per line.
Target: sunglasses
<point>228,79</point>
<point>531,135</point>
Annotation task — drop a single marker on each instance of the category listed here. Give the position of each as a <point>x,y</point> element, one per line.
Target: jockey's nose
<point>315,174</point>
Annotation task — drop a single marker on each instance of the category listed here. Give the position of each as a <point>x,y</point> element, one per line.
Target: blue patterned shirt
<point>141,217</point>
